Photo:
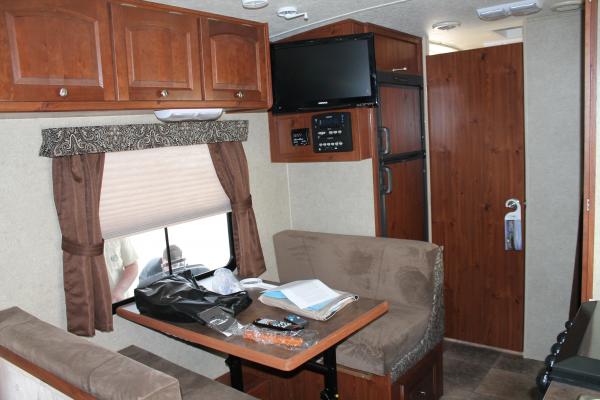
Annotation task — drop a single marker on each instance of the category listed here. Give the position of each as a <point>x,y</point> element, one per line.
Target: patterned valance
<point>59,142</point>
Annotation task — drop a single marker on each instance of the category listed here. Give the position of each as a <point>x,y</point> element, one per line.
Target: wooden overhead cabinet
<point>236,63</point>
<point>157,54</point>
<point>396,51</point>
<point>71,55</point>
<point>55,50</point>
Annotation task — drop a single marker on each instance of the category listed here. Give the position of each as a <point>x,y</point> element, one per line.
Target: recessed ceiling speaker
<point>254,4</point>
<point>565,6</point>
<point>517,9</point>
<point>445,25</point>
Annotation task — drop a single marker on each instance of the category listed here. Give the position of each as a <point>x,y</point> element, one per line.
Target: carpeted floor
<point>484,374</point>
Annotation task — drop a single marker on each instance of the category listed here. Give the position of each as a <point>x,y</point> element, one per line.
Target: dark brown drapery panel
<point>77,183</point>
<point>231,166</point>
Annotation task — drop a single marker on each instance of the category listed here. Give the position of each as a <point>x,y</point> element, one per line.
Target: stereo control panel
<point>332,132</point>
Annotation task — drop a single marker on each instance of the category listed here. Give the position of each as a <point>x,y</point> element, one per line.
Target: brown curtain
<point>77,183</point>
<point>231,166</point>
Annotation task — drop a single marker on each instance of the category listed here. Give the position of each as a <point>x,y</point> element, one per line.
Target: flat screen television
<point>324,73</point>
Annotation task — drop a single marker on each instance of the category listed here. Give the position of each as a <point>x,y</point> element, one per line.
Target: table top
<point>344,323</point>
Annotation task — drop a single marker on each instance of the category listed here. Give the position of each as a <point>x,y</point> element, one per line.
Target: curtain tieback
<point>242,205</point>
<point>80,249</point>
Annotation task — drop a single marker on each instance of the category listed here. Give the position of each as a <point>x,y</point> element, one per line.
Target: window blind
<point>153,188</point>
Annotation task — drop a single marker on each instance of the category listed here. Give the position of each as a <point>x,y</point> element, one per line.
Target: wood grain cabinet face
<point>157,54</point>
<point>405,205</point>
<point>346,27</point>
<point>396,55</point>
<point>55,50</point>
<point>396,51</point>
<point>236,65</point>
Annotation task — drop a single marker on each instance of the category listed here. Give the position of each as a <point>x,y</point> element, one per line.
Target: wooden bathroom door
<point>476,134</point>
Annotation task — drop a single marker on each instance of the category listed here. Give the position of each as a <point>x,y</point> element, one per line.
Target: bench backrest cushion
<point>396,270</point>
<point>102,373</point>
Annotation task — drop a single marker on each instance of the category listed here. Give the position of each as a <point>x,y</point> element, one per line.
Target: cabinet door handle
<point>399,69</point>
<point>63,92</point>
<point>239,95</point>
<point>385,141</point>
<point>164,93</point>
<point>388,181</point>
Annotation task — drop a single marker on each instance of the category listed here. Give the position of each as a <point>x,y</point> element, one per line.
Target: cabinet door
<point>405,206</point>
<point>236,64</point>
<point>400,112</point>
<point>55,50</point>
<point>157,54</point>
<point>396,51</point>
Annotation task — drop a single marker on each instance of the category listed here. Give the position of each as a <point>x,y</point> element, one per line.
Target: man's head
<point>177,259</point>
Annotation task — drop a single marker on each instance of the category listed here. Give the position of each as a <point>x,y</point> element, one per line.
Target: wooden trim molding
<point>589,148</point>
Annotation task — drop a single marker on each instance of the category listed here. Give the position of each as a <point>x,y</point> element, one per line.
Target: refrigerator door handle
<point>385,144</point>
<point>387,188</point>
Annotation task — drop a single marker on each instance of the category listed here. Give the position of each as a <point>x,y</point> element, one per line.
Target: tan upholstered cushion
<point>94,369</point>
<point>379,268</point>
<point>399,271</point>
<point>193,386</point>
<point>381,344</point>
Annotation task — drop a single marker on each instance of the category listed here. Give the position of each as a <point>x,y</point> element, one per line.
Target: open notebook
<point>310,298</point>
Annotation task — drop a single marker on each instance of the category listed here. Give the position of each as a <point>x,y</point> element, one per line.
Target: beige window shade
<point>149,189</point>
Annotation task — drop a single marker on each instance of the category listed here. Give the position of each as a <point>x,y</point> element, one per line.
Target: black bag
<point>179,298</point>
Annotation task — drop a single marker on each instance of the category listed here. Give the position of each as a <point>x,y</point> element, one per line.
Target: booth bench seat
<point>403,347</point>
<point>81,369</point>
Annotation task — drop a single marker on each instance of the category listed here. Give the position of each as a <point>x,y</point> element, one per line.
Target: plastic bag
<point>225,282</point>
<point>292,340</point>
<point>180,298</point>
<point>220,321</point>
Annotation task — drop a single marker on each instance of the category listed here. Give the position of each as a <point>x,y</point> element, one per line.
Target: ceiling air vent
<point>517,9</point>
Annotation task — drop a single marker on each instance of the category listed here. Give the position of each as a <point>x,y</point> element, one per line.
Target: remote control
<point>294,319</point>
<point>277,325</point>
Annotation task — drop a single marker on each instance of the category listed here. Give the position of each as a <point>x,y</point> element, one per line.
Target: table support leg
<point>331,390</point>
<point>235,372</point>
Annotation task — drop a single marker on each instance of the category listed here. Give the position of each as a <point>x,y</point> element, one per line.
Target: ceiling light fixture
<point>291,12</point>
<point>565,6</point>
<point>445,25</point>
<point>517,9</point>
<point>254,4</point>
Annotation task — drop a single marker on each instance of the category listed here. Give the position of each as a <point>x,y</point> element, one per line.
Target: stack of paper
<point>309,298</point>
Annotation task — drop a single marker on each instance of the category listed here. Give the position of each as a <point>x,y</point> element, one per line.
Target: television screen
<point>324,73</point>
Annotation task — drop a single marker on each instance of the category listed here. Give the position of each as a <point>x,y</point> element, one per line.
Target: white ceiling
<point>410,16</point>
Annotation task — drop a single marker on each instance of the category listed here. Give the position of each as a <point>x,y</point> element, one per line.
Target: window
<point>200,246</point>
<point>159,199</point>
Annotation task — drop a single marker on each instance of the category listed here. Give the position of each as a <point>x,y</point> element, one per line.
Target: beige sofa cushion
<point>94,369</point>
<point>379,346</point>
<point>193,386</point>
<point>406,273</point>
<point>379,268</point>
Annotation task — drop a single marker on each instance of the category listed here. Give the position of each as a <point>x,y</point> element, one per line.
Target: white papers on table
<point>308,293</point>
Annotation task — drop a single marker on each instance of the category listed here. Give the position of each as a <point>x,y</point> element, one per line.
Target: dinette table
<point>319,357</point>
